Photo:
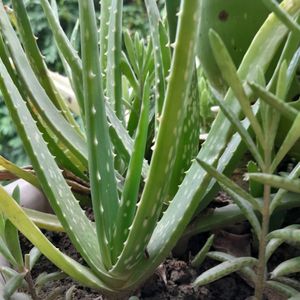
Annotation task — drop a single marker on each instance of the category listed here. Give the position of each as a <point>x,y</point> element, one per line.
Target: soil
<point>172,279</point>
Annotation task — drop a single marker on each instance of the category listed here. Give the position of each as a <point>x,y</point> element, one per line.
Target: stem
<point>261,269</point>
<point>260,281</point>
<point>31,288</point>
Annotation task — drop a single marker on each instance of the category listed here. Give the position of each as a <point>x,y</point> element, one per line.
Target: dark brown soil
<point>172,280</point>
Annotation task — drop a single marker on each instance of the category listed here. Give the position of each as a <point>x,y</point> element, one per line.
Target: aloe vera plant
<point>140,208</point>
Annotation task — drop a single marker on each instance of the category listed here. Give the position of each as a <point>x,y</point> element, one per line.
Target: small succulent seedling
<point>264,121</point>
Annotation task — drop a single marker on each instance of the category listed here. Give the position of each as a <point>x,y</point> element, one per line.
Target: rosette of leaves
<point>133,230</point>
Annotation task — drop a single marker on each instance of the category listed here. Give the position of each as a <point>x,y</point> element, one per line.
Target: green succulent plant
<point>141,208</point>
<point>264,121</point>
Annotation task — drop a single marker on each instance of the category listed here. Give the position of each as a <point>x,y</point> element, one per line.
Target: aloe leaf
<point>101,163</point>
<point>164,153</point>
<point>231,76</point>
<point>218,218</point>
<point>246,137</point>
<point>114,48</point>
<point>45,107</point>
<point>44,221</point>
<point>129,73</point>
<point>172,7</point>
<point>12,235</point>
<point>288,184</point>
<point>12,285</point>
<point>121,139</point>
<point>287,267</point>
<point>284,108</point>
<point>154,21</point>
<point>230,185</point>
<point>295,297</point>
<point>61,39</point>
<point>132,182</point>
<point>103,38</point>
<point>36,60</point>
<point>188,146</point>
<point>291,138</point>
<point>19,172</point>
<point>165,48</point>
<point>14,212</point>
<point>131,53</point>
<point>199,258</point>
<point>273,6</point>
<point>224,269</point>
<point>69,56</point>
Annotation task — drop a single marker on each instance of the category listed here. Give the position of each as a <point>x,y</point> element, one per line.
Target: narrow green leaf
<point>231,76</point>
<point>154,21</point>
<point>246,137</point>
<point>274,243</point>
<point>284,17</point>
<point>232,186</point>
<point>103,38</point>
<point>288,184</point>
<point>291,138</point>
<point>44,221</point>
<point>281,288</point>
<point>199,258</point>
<point>274,101</point>
<point>287,234</point>
<point>287,267</point>
<point>218,218</point>
<point>172,7</point>
<point>114,49</point>
<point>101,162</point>
<point>12,285</point>
<point>34,255</point>
<point>12,235</point>
<point>131,52</point>
<point>5,251</point>
<point>132,182</point>
<point>36,60</point>
<point>280,193</point>
<point>224,269</point>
